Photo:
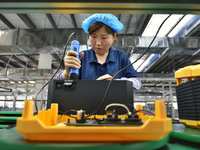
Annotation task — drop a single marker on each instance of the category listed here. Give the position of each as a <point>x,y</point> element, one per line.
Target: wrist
<point>65,75</point>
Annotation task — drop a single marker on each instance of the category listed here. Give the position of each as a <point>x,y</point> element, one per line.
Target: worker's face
<point>101,41</point>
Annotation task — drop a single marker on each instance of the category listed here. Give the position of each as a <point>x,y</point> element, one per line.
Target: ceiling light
<point>155,22</point>
<point>152,58</point>
<point>187,19</point>
<point>31,81</point>
<point>1,32</point>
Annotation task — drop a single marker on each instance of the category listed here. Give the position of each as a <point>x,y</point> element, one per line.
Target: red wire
<point>147,112</point>
<point>42,86</point>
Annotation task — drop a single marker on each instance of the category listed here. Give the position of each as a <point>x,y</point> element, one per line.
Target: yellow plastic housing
<point>44,127</point>
<point>191,123</point>
<point>189,72</point>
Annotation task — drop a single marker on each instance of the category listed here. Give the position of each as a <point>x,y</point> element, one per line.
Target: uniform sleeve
<point>59,76</point>
<point>136,82</point>
<point>130,73</point>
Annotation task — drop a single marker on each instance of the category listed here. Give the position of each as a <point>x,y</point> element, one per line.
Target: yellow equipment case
<point>188,95</point>
<point>49,126</point>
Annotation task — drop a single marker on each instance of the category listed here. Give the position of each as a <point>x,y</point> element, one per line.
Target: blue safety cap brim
<point>108,19</point>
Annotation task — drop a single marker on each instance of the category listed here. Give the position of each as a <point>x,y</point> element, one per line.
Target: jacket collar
<point>110,57</point>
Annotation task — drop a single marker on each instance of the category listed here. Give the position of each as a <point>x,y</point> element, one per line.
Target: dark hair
<point>97,25</point>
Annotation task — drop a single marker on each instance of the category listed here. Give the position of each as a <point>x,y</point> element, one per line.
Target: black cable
<point>65,48</point>
<point>107,90</point>
<point>65,113</point>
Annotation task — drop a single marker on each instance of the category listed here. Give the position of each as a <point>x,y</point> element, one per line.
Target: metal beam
<point>108,6</point>
<point>143,60</point>
<point>57,58</point>
<point>53,24</point>
<point>141,25</point>
<point>158,64</point>
<point>119,17</point>
<point>27,55</point>
<point>2,64</point>
<point>4,20</point>
<point>128,24</point>
<point>171,63</point>
<point>21,61</point>
<point>73,20</point>
<point>31,58</point>
<point>187,61</point>
<point>195,31</point>
<point>6,60</point>
<point>27,21</point>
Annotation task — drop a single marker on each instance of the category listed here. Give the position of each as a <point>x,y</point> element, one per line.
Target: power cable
<point>65,48</point>
<point>108,87</point>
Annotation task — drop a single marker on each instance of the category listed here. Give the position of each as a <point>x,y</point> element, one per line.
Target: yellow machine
<point>49,126</point>
<point>188,97</point>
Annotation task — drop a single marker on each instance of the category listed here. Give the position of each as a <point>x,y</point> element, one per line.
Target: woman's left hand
<point>105,77</point>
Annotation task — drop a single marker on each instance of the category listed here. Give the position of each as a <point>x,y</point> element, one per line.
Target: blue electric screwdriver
<point>74,73</point>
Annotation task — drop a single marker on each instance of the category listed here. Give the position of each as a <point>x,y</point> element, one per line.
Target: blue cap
<point>108,19</point>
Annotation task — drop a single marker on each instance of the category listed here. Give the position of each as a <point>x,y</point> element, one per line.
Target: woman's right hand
<point>70,61</point>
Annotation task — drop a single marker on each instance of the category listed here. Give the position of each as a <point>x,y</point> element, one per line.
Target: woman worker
<point>101,62</point>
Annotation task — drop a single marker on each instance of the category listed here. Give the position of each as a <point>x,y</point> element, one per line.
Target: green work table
<point>185,133</point>
<point>10,139</point>
<point>8,118</point>
<point>184,138</point>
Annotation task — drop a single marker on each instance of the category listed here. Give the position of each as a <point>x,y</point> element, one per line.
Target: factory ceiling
<point>31,28</point>
<point>24,36</point>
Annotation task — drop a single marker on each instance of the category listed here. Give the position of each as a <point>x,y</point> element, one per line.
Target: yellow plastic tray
<point>44,127</point>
